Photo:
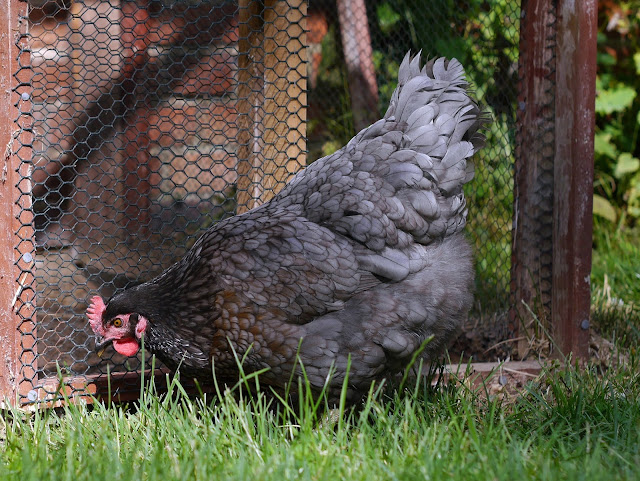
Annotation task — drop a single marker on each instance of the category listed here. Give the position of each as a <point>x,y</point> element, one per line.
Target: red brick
<point>214,75</point>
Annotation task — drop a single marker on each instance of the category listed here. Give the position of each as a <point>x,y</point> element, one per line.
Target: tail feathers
<point>400,181</point>
<point>440,124</point>
<point>424,144</point>
<point>439,91</point>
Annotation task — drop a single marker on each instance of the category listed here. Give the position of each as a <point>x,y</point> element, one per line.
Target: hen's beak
<point>101,345</point>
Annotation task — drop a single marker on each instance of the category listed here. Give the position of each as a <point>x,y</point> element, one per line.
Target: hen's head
<point>124,330</point>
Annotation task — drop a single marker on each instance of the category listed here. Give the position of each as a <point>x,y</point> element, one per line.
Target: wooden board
<point>272,99</point>
<point>17,329</point>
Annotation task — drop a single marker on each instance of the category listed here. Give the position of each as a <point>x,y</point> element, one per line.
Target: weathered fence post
<point>551,260</point>
<point>272,98</point>
<point>533,184</point>
<point>358,57</point>
<point>573,199</point>
<point>17,350</point>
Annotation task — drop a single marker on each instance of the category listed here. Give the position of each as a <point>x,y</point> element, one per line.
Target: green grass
<point>615,280</point>
<point>568,425</point>
<point>617,256</point>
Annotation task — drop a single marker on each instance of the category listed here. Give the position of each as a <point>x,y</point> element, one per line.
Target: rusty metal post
<point>17,328</point>
<point>573,199</point>
<point>358,55</point>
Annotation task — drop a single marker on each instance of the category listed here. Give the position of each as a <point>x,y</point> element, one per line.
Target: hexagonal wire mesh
<point>155,120</point>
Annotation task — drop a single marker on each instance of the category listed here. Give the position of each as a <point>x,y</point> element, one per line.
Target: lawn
<point>566,425</point>
<point>615,280</point>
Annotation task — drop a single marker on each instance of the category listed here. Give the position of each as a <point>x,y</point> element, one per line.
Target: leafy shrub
<point>617,163</point>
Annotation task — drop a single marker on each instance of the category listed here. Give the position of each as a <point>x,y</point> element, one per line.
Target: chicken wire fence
<point>154,120</point>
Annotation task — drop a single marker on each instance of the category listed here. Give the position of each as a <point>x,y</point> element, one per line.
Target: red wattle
<point>127,346</point>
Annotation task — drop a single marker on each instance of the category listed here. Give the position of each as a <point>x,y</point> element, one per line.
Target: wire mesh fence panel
<point>484,36</point>
<point>153,120</point>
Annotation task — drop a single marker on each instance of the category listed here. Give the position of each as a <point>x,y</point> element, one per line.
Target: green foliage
<point>616,99</point>
<point>617,167</point>
<point>482,34</point>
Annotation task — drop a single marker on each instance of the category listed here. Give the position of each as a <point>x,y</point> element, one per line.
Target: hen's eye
<point>117,322</point>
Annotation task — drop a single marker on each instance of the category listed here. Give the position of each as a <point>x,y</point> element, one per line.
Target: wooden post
<point>573,199</point>
<point>533,184</point>
<point>551,262</point>
<point>358,56</point>
<point>135,24</point>
<point>250,100</point>
<point>272,97</point>
<point>17,325</point>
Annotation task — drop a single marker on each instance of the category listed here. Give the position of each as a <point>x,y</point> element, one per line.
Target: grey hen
<point>359,259</point>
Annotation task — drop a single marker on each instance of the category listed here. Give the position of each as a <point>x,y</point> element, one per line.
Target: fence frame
<point>17,348</point>
<point>571,225</point>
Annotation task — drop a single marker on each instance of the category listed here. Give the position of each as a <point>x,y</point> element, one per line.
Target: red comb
<point>94,313</point>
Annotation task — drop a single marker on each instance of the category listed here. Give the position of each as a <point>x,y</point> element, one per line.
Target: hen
<point>358,260</point>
